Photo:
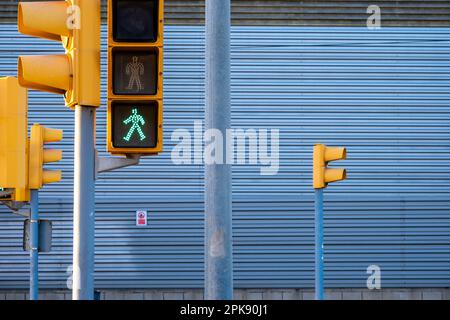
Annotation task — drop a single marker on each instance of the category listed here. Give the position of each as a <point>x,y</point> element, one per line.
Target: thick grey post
<point>218,228</point>
<point>34,245</point>
<point>84,205</point>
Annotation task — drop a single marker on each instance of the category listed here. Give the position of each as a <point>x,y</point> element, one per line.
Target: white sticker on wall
<point>141,218</point>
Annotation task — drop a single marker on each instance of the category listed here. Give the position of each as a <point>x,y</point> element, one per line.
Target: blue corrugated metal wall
<point>383,94</point>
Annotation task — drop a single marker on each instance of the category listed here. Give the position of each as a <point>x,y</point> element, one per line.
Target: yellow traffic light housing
<point>39,136</point>
<point>135,76</point>
<point>14,139</point>
<point>323,175</point>
<point>76,74</point>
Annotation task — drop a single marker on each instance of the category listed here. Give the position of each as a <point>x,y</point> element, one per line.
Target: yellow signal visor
<point>45,19</point>
<point>52,135</point>
<point>51,73</point>
<point>51,155</point>
<point>51,176</point>
<point>332,175</point>
<point>335,153</point>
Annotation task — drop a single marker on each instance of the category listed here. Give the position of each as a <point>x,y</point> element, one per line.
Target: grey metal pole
<point>218,227</point>
<point>84,204</point>
<point>319,244</point>
<point>34,245</point>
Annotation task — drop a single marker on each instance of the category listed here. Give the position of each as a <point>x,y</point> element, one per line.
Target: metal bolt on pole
<point>84,204</point>
<point>34,245</point>
<point>319,244</point>
<point>218,227</point>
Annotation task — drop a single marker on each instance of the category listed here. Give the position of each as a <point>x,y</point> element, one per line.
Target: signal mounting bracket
<point>16,207</point>
<point>105,164</point>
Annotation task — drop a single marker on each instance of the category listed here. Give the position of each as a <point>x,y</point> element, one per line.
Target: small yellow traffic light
<point>76,74</point>
<point>323,175</point>
<point>39,136</point>
<point>135,76</point>
<point>14,139</point>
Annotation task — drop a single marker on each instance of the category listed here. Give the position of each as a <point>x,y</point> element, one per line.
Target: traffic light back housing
<point>39,156</point>
<point>323,175</point>
<point>14,138</point>
<point>75,74</point>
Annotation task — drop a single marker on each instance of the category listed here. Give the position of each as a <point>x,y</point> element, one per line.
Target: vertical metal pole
<point>319,243</point>
<point>218,227</point>
<point>34,245</point>
<point>84,204</point>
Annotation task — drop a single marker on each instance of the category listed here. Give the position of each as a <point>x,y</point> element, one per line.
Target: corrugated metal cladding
<point>294,12</point>
<point>382,94</point>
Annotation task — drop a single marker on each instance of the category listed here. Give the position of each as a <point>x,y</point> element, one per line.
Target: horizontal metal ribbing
<point>383,94</point>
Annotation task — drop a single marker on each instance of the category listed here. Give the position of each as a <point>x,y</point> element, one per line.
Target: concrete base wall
<point>245,294</point>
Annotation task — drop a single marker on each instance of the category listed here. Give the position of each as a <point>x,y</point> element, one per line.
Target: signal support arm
<point>105,164</point>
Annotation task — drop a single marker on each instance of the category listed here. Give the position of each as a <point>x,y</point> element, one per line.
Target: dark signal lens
<point>135,72</point>
<point>135,20</point>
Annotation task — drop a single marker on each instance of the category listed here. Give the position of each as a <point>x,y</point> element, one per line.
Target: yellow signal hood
<point>335,153</point>
<point>52,135</point>
<point>332,175</point>
<point>44,19</point>
<point>51,176</point>
<point>33,72</point>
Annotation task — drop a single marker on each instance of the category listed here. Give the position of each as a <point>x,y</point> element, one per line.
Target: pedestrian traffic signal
<point>135,76</point>
<point>75,74</point>
<point>323,175</point>
<point>14,140</point>
<point>39,156</point>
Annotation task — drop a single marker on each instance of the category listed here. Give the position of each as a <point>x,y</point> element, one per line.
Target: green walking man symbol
<point>137,121</point>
